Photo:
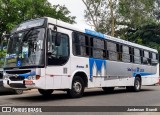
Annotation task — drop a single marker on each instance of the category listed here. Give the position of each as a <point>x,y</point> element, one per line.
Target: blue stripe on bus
<point>27,74</point>
<point>142,74</point>
<point>98,65</point>
<point>94,33</point>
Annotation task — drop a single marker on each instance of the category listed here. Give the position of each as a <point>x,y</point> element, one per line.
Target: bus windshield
<point>26,48</point>
<point>3,49</point>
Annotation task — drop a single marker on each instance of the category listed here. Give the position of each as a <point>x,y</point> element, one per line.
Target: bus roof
<point>97,34</point>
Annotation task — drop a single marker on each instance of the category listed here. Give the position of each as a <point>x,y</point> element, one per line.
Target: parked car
<point>3,89</point>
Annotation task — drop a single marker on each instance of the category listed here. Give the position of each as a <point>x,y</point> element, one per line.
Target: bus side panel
<point>80,64</point>
<point>148,73</point>
<point>118,74</point>
<point>152,77</point>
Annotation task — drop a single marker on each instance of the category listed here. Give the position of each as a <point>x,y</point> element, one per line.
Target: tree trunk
<point>112,18</point>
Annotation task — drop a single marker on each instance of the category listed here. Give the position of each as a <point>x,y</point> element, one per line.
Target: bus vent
<point>64,70</point>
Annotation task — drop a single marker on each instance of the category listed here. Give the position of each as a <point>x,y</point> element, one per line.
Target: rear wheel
<point>47,92</point>
<point>77,89</point>
<point>108,89</point>
<point>137,84</point>
<point>136,87</point>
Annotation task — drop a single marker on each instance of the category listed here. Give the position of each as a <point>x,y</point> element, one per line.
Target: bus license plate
<point>28,82</point>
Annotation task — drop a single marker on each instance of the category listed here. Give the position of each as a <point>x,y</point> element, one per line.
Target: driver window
<point>58,55</point>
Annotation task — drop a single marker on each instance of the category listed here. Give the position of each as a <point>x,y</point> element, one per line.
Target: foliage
<point>148,35</point>
<point>101,14</point>
<point>13,12</point>
<point>134,20</point>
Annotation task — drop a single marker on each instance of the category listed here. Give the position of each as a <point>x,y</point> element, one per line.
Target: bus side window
<point>125,54</point>
<point>119,52</point>
<point>98,48</point>
<point>112,51</point>
<point>105,52</point>
<point>146,57</point>
<point>154,60</point>
<point>80,44</point>
<point>150,58</point>
<point>131,53</point>
<point>137,58</point>
<point>141,55</point>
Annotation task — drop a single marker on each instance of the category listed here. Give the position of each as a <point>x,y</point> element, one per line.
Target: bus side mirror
<point>58,39</point>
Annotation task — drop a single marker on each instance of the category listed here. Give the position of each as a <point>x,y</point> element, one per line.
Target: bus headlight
<point>34,77</point>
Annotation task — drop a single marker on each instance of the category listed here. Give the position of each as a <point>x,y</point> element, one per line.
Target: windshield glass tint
<point>29,24</point>
<point>26,49</point>
<point>3,49</point>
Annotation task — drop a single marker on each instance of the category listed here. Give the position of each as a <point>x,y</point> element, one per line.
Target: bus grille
<point>19,78</point>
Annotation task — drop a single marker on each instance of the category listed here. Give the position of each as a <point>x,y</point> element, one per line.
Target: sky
<point>76,7</point>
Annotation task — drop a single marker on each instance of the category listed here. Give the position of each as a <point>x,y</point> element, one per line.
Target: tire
<point>108,89</point>
<point>77,88</point>
<point>18,91</point>
<point>47,92</point>
<point>136,87</point>
<point>137,84</point>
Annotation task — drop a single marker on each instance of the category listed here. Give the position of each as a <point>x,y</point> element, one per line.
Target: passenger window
<point>126,55</point>
<point>112,51</point>
<point>154,60</point>
<point>137,58</point>
<point>98,48</point>
<point>80,44</point>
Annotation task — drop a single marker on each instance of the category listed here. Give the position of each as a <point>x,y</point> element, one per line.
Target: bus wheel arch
<point>137,84</point>
<point>79,82</point>
<point>83,76</point>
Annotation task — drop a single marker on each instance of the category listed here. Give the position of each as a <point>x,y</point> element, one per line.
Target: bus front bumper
<point>24,84</point>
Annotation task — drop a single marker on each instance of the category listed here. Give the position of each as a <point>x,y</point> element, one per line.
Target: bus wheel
<point>47,92</point>
<point>18,91</point>
<point>136,87</point>
<point>77,89</point>
<point>108,89</point>
<point>137,84</point>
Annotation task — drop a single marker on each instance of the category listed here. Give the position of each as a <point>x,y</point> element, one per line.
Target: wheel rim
<point>137,84</point>
<point>77,87</point>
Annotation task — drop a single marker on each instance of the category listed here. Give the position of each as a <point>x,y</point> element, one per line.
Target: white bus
<point>48,54</point>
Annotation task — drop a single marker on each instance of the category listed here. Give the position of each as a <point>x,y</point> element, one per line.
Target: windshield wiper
<point>27,35</point>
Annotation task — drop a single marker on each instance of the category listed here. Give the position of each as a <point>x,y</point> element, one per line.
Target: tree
<point>12,12</point>
<point>101,14</point>
<point>157,10</point>
<point>116,17</point>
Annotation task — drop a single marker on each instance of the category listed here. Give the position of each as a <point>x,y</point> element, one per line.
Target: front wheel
<point>77,89</point>
<point>47,92</point>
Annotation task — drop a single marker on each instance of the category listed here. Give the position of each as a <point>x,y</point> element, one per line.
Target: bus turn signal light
<point>37,77</point>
